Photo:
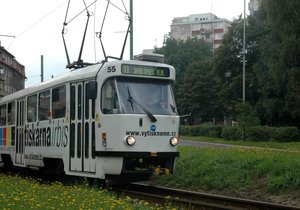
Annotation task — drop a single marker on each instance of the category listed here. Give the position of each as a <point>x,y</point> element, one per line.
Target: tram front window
<point>140,96</point>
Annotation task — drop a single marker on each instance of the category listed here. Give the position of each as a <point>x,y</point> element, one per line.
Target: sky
<point>37,27</point>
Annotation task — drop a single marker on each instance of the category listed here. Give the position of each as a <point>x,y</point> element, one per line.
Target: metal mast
<point>131,30</point>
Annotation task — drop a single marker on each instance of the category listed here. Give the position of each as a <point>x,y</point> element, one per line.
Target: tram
<point>104,121</point>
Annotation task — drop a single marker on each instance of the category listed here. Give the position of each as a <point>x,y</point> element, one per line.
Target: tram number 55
<point>111,69</point>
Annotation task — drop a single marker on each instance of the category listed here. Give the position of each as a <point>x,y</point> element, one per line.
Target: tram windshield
<point>139,96</point>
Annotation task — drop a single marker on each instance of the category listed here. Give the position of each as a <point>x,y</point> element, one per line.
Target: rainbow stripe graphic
<point>5,136</point>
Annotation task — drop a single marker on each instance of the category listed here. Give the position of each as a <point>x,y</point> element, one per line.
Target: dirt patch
<point>291,198</point>
<point>287,198</point>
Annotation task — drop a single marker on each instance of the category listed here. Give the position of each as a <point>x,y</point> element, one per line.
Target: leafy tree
<point>272,63</point>
<point>272,67</point>
<point>197,91</point>
<point>228,64</point>
<point>246,117</point>
<point>280,53</point>
<point>185,57</point>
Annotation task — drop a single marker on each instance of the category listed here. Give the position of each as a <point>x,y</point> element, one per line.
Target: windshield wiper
<point>132,102</point>
<point>173,108</point>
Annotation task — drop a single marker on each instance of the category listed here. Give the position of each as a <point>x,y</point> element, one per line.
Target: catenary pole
<point>42,68</point>
<point>131,30</point>
<point>244,52</point>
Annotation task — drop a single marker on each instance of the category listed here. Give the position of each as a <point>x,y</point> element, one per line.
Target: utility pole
<point>131,29</point>
<point>42,68</point>
<point>244,52</point>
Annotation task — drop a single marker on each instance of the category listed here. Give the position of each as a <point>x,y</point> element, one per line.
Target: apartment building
<point>12,73</point>
<point>253,6</point>
<point>206,26</point>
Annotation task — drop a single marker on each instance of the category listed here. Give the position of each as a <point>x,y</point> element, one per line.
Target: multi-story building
<point>253,6</point>
<point>12,73</point>
<point>206,26</point>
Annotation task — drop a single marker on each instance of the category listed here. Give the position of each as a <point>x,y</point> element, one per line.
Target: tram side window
<point>59,102</point>
<point>3,115</point>
<point>32,108</point>
<point>88,103</point>
<point>11,113</point>
<point>44,105</point>
<point>109,100</point>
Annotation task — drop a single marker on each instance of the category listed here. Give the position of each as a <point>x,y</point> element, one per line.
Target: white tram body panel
<point>116,118</point>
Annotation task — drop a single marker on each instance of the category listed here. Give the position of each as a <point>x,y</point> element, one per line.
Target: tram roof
<point>73,76</point>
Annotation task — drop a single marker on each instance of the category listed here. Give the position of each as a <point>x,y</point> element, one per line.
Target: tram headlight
<point>130,140</point>
<point>174,141</point>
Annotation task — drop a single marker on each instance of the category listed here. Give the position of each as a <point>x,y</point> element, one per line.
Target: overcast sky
<point>37,27</point>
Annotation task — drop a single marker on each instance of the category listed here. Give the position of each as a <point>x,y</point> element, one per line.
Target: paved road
<point>202,144</point>
<point>218,145</point>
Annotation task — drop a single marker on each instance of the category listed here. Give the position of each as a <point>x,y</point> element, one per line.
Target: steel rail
<point>195,200</point>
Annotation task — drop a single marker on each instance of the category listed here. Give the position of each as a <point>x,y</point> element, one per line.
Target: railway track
<point>194,200</point>
<point>180,198</point>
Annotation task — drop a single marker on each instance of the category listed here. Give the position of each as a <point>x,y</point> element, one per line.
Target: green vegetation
<point>26,193</point>
<point>236,169</point>
<point>252,133</point>
<point>290,146</point>
<point>209,84</point>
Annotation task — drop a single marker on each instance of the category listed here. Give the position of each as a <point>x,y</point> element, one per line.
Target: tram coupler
<point>158,170</point>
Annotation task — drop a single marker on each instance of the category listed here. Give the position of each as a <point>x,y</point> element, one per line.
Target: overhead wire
<point>125,12</point>
<point>66,23</point>
<point>38,21</point>
<point>98,34</point>
<point>124,7</point>
<point>52,11</point>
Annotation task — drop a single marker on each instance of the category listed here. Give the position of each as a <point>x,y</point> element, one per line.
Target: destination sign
<point>145,70</point>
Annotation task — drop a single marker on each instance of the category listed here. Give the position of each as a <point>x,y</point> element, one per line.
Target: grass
<point>234,169</point>
<point>26,193</point>
<point>291,146</point>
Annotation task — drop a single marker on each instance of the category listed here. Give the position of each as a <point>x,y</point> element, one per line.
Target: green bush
<point>259,133</point>
<point>201,130</point>
<point>285,134</point>
<point>183,130</point>
<point>232,133</point>
<point>194,131</point>
<point>254,133</point>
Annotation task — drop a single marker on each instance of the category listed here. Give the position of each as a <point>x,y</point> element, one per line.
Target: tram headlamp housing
<point>174,141</point>
<point>130,140</point>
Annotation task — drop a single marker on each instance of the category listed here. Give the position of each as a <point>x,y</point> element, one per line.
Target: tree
<point>185,56</point>
<point>280,53</point>
<point>197,91</point>
<point>246,117</point>
<point>228,65</point>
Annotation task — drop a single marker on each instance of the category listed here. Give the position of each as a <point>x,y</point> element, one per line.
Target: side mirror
<point>91,90</point>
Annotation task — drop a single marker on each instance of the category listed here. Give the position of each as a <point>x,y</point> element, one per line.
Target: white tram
<point>106,120</point>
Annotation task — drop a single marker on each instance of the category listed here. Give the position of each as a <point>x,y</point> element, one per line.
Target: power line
<point>7,35</point>
<point>32,25</point>
<point>38,21</point>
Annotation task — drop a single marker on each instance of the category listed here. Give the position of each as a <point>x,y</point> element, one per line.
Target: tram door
<point>20,133</point>
<point>82,130</point>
